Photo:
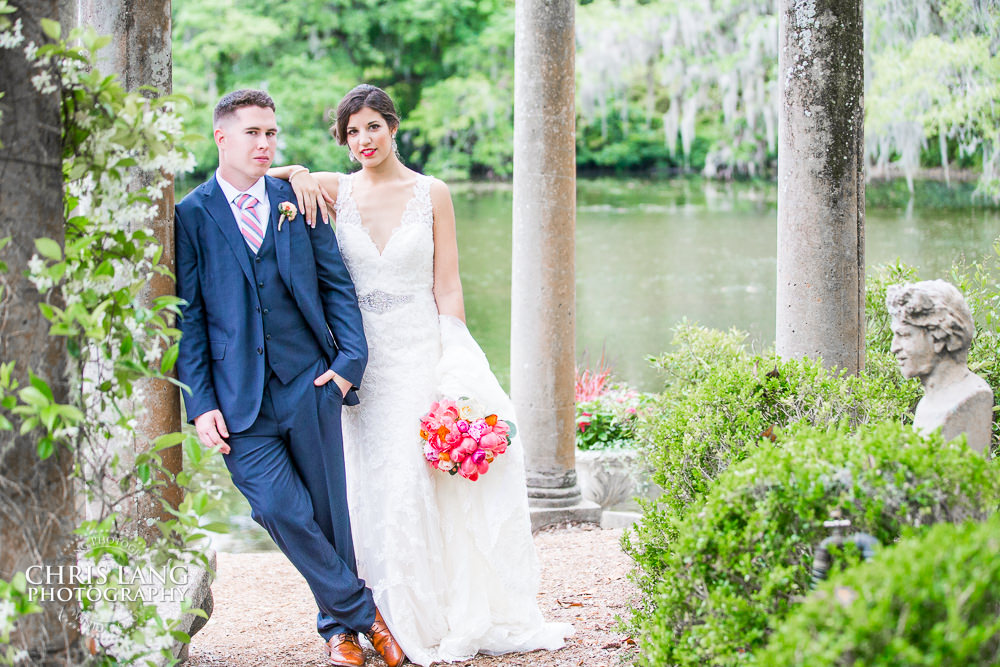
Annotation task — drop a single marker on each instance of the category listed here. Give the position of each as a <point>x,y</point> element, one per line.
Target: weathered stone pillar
<point>140,54</point>
<point>821,190</point>
<point>543,290</point>
<point>37,501</point>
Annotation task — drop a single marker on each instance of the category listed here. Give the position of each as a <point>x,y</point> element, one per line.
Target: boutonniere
<point>288,212</point>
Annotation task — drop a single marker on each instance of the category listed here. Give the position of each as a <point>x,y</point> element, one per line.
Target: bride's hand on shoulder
<point>313,191</point>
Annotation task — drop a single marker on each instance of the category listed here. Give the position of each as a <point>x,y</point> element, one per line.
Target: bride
<point>451,562</point>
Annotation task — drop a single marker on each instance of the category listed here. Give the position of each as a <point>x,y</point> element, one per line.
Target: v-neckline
<point>399,226</point>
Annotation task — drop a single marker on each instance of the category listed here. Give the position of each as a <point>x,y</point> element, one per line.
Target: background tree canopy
<point>661,84</point>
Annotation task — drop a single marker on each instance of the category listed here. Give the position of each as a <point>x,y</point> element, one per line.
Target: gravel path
<point>265,617</point>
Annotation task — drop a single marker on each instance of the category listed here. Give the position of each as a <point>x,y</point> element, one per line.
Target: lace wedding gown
<point>451,562</point>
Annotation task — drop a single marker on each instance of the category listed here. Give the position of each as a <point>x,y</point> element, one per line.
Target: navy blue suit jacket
<point>221,359</point>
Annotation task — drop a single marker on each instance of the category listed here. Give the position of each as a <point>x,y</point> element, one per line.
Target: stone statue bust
<point>932,332</point>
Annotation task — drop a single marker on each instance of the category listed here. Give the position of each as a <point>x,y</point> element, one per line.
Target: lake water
<point>648,255</point>
<point>651,253</point>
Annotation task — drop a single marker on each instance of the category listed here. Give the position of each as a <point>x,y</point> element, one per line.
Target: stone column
<point>140,54</point>
<point>543,291</point>
<point>821,188</point>
<point>37,501</point>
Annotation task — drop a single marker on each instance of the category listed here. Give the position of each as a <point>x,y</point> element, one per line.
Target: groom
<point>272,347</point>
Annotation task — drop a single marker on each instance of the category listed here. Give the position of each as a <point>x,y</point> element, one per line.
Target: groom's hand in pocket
<point>212,430</point>
<point>343,384</point>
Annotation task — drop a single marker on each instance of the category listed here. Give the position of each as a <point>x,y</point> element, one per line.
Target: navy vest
<point>288,341</point>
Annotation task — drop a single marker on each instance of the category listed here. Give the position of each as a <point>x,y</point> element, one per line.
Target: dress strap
<point>343,191</point>
<point>422,199</point>
<point>345,206</point>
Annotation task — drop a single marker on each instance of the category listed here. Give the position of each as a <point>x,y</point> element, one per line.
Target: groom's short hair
<point>247,97</point>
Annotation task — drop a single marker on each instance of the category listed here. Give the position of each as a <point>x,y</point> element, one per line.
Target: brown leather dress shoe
<point>344,650</point>
<point>385,643</point>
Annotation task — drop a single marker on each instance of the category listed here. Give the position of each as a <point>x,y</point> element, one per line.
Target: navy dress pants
<point>290,466</point>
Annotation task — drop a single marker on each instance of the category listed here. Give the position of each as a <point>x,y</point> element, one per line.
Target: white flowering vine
<point>119,150</point>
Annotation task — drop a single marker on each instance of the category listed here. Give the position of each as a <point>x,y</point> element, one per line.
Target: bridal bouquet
<point>459,442</point>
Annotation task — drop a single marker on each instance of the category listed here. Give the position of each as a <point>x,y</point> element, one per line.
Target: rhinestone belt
<point>378,301</point>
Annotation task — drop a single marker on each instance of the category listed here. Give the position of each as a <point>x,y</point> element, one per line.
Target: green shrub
<point>878,335</point>
<point>608,421</point>
<point>720,404</point>
<point>739,561</point>
<point>721,401</point>
<point>929,600</point>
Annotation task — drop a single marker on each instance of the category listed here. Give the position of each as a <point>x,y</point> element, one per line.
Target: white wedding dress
<point>451,562</point>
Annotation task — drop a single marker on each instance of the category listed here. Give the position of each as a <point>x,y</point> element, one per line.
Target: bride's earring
<point>350,156</point>
<point>395,147</point>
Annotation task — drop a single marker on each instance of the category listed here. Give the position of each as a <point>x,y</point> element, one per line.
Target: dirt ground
<point>265,617</point>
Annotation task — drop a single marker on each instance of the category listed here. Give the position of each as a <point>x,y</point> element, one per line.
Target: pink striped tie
<point>253,231</point>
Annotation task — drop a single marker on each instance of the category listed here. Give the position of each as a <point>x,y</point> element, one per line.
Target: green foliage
<point>609,420</point>
<point>469,128</point>
<point>308,54</point>
<point>978,281</point>
<point>934,75</point>
<point>661,84</point>
<point>878,337</point>
<point>117,149</point>
<point>641,148</point>
<point>15,603</point>
<point>742,558</point>
<point>464,123</point>
<point>601,430</point>
<point>953,98</point>
<point>916,603</point>
<point>722,555</point>
<point>721,404</point>
<point>927,195</point>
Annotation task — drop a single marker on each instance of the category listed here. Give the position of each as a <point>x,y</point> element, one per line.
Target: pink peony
<point>465,449</point>
<point>479,428</point>
<point>469,470</point>
<point>444,410</point>
<point>434,441</point>
<point>483,467</point>
<point>490,441</point>
<point>463,426</point>
<point>501,428</point>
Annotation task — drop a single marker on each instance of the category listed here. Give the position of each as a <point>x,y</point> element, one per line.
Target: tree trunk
<point>140,54</point>
<point>37,504</point>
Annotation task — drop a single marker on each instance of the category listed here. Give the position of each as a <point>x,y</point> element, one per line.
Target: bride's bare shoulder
<point>329,181</point>
<point>440,194</point>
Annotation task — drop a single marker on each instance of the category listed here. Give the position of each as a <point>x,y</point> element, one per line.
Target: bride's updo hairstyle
<point>363,96</point>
